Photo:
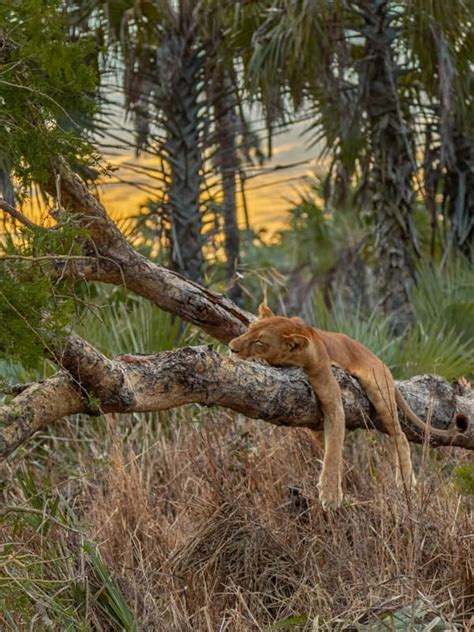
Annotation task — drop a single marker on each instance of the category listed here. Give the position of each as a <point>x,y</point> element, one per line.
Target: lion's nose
<point>232,347</point>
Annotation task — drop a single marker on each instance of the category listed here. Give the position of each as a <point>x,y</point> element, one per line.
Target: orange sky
<point>268,194</point>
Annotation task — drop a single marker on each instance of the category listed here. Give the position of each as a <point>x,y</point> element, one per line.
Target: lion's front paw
<point>330,493</point>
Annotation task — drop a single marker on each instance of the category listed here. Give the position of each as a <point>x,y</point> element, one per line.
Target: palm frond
<point>446,296</point>
<point>433,348</point>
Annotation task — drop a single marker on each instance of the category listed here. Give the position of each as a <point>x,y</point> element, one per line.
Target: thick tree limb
<point>120,264</point>
<point>201,375</point>
<point>36,407</point>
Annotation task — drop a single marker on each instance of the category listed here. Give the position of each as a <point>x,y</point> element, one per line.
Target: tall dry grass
<point>217,526</point>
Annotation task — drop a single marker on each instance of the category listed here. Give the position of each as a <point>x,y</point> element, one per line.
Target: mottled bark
<point>36,407</point>
<point>393,167</point>
<point>201,375</point>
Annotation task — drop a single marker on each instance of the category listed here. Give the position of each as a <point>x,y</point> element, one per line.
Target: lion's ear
<point>264,311</point>
<point>296,342</point>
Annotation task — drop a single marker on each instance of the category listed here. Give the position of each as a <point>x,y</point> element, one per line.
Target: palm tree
<point>393,164</point>
<point>228,164</point>
<point>227,31</point>
<point>163,79</point>
<point>358,64</point>
<point>178,81</point>
<point>441,44</point>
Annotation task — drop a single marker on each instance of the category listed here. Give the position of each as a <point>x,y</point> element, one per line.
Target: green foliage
<point>44,578</point>
<point>45,79</point>
<point>313,238</point>
<point>440,340</point>
<point>433,348</point>
<point>290,622</point>
<point>319,56</point>
<point>34,308</point>
<point>446,296</point>
<point>108,594</point>
<point>316,232</point>
<point>372,330</point>
<point>416,618</point>
<point>119,322</point>
<point>463,479</point>
<point>21,311</point>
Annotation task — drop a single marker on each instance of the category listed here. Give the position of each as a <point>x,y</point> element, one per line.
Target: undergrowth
<point>441,337</point>
<point>217,526</point>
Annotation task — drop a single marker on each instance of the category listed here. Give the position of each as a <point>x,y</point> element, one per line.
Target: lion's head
<point>278,340</point>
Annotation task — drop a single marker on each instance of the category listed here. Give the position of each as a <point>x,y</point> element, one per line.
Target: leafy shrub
<point>372,330</point>
<point>33,310</point>
<point>434,348</point>
<point>446,296</point>
<point>47,82</point>
<point>440,340</point>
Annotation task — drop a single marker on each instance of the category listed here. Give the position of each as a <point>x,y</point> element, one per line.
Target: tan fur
<point>291,342</point>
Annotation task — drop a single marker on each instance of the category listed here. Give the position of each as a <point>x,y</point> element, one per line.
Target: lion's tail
<point>411,416</point>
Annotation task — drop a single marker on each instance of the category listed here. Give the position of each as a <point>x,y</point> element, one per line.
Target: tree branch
<point>13,212</point>
<point>203,376</point>
<point>120,264</point>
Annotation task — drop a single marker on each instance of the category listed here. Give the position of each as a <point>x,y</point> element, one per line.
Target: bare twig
<point>13,212</point>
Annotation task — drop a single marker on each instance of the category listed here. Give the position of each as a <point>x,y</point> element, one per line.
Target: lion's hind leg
<point>380,390</point>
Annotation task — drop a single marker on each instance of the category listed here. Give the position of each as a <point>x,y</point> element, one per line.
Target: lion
<point>285,341</point>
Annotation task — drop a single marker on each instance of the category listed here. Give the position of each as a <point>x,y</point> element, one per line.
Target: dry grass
<point>217,526</point>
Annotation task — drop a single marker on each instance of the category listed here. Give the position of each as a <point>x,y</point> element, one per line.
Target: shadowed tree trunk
<point>392,169</point>
<point>6,186</point>
<point>183,146</point>
<point>228,165</point>
<point>7,191</point>
<point>459,195</point>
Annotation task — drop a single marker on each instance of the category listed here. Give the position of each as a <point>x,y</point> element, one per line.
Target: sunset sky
<point>268,193</point>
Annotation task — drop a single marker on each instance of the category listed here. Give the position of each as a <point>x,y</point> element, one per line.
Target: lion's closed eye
<point>260,345</point>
